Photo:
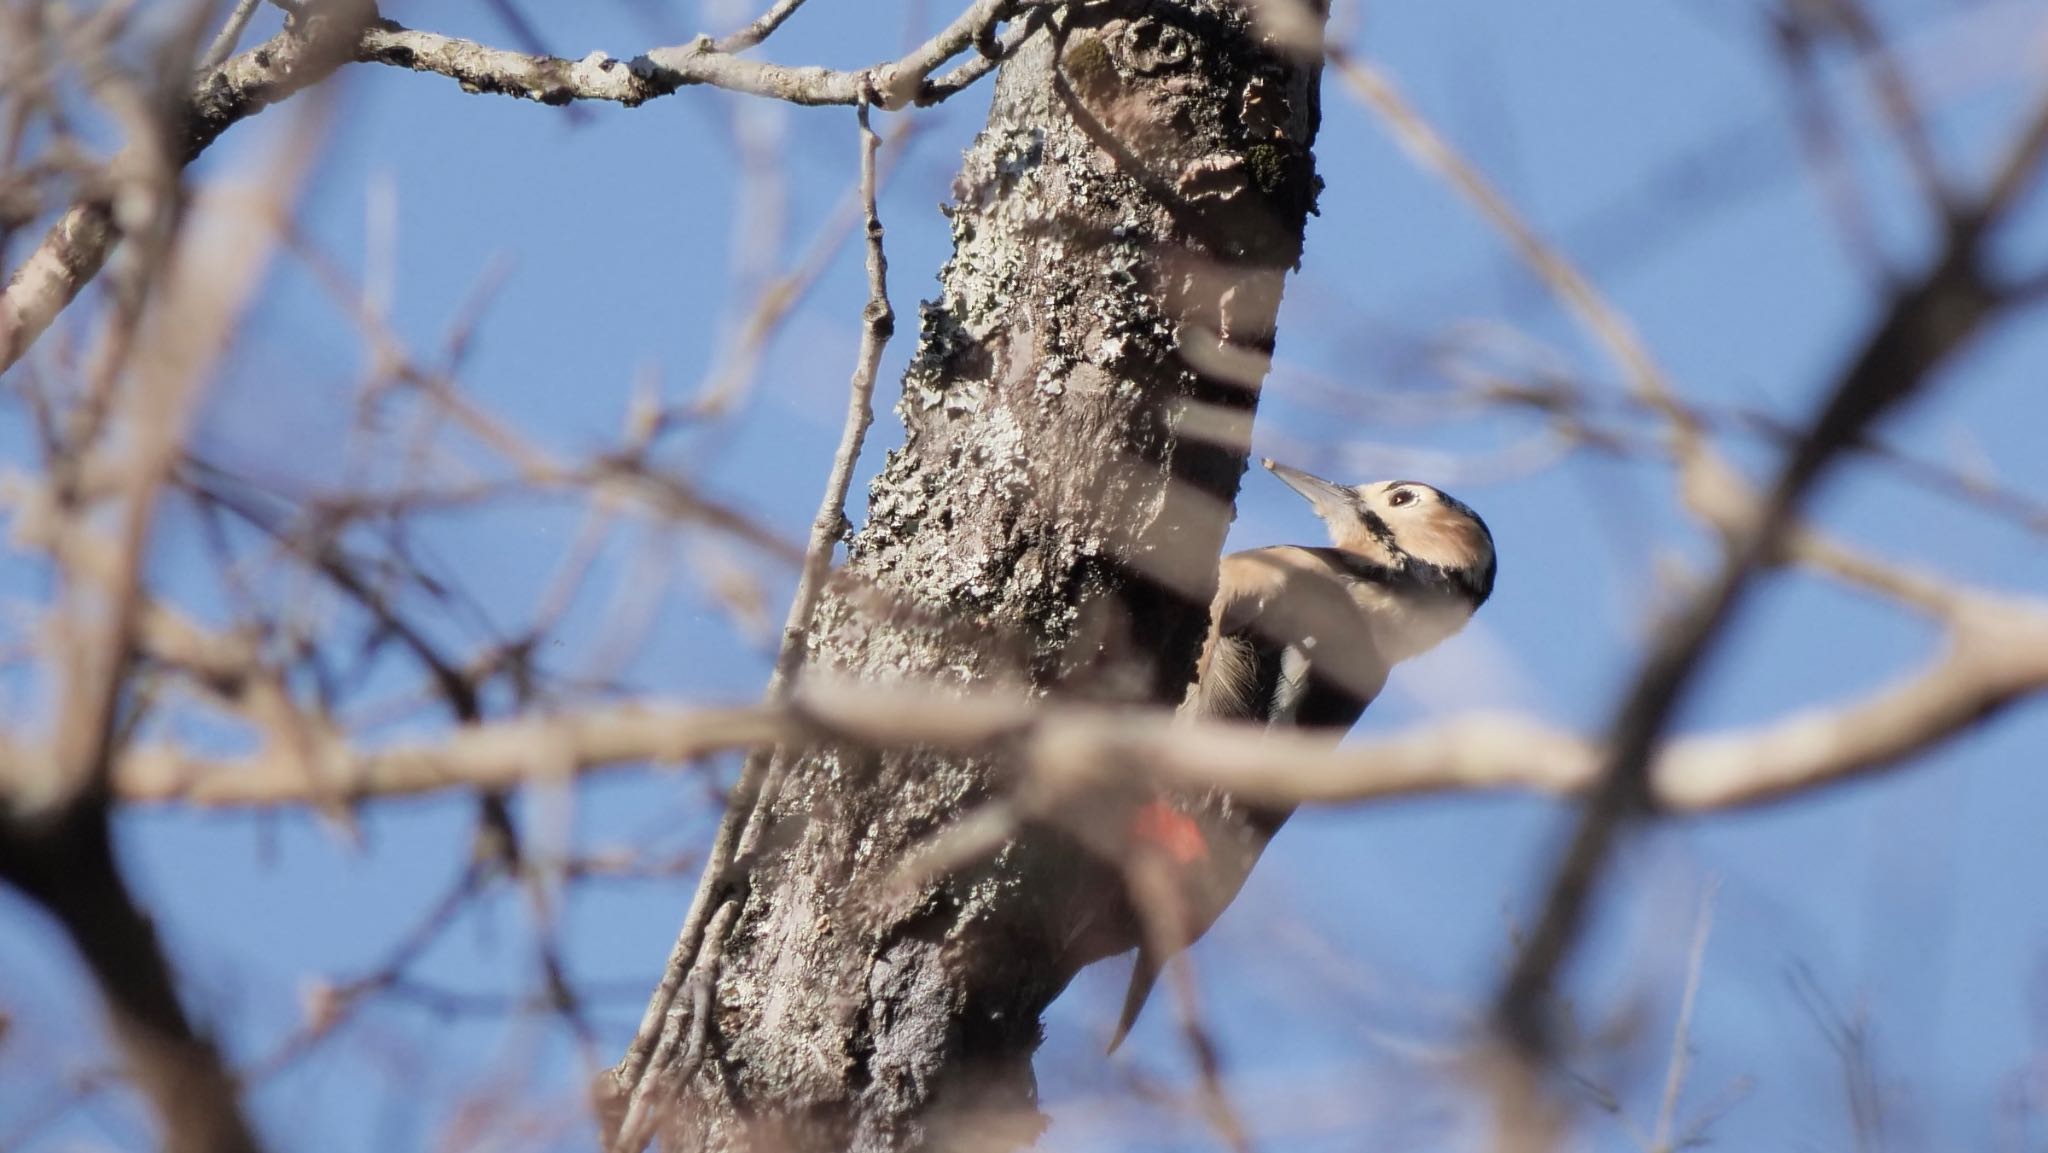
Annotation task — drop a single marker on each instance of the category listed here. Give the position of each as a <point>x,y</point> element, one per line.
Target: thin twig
<point>1163,914</point>
<point>1801,30</point>
<point>492,754</point>
<point>230,35</point>
<point>1895,95</point>
<point>1927,323</point>
<point>1605,322</point>
<point>331,1004</point>
<point>761,29</point>
<point>76,247</point>
<point>754,795</point>
<point>1681,1033</point>
<point>553,80</point>
<point>318,40</point>
<point>830,525</point>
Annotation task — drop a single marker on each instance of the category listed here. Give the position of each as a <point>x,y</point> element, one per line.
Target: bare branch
<point>761,29</point>
<point>755,792</point>
<point>1927,322</point>
<point>498,754</point>
<point>553,80</point>
<point>72,252</point>
<point>230,33</point>
<point>157,353</point>
<point>1676,1067</point>
<point>1997,656</point>
<point>1602,320</point>
<point>64,861</point>
<point>320,38</point>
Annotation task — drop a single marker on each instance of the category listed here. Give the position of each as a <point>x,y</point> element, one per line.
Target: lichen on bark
<point>1048,527</point>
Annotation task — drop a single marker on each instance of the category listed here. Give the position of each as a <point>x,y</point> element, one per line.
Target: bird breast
<point>1406,623</point>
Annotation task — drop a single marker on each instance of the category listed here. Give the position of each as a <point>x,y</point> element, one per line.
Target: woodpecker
<point>1305,637</point>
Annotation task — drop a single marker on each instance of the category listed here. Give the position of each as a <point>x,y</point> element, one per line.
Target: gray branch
<point>1996,656</point>
<point>76,247</point>
<point>554,80</point>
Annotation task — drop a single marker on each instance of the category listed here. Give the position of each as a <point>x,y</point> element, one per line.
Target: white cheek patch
<point>1448,540</point>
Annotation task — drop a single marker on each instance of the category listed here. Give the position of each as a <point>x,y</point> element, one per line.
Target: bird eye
<point>1401,496</point>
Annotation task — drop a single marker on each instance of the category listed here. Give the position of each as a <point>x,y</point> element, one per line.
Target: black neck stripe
<point>1381,531</point>
<point>1410,575</point>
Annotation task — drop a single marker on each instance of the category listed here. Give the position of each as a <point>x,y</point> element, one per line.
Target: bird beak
<point>1328,496</point>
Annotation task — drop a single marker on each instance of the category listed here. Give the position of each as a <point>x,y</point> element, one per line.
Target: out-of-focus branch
<point>1802,32</point>
<point>64,861</point>
<point>1603,321</point>
<point>493,754</point>
<point>1926,323</point>
<point>321,37</point>
<point>230,33</point>
<point>316,43</point>
<point>157,351</point>
<point>553,80</point>
<point>1996,656</point>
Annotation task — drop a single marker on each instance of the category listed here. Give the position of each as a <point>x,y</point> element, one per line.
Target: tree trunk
<point>1077,414</point>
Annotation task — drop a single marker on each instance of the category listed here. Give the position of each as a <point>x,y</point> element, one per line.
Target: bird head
<point>1403,532</point>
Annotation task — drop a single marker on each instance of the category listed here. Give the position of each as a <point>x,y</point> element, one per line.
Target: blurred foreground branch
<point>76,247</point>
<point>1995,655</point>
<point>1927,320</point>
<point>321,35</point>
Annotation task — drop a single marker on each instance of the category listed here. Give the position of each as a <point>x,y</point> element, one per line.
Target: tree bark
<point>1076,418</point>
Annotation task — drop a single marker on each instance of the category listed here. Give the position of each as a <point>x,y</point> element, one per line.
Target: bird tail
<point>1144,974</point>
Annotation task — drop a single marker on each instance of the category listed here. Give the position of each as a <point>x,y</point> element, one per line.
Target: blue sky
<point>1651,138</point>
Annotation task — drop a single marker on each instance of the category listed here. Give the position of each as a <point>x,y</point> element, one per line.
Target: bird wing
<point>1239,666</point>
<point>1286,645</point>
